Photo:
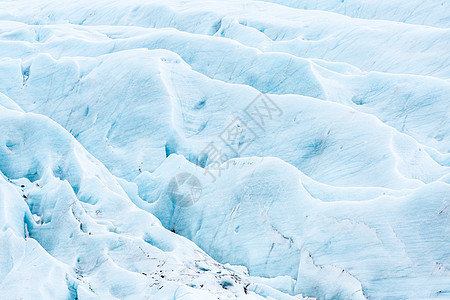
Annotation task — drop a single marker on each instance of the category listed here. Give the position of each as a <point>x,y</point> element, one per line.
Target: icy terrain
<point>313,138</point>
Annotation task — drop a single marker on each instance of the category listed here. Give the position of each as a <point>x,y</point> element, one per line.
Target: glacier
<point>224,149</point>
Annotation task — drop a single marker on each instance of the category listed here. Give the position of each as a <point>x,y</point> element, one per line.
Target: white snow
<point>336,187</point>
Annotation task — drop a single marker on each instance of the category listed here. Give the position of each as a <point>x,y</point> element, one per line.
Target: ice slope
<point>376,45</point>
<point>120,126</point>
<point>341,193</point>
<point>400,101</point>
<point>69,231</point>
<point>432,13</point>
<point>264,213</point>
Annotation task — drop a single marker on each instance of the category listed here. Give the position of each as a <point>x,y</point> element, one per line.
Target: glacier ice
<point>340,190</point>
<point>69,231</point>
<point>262,213</point>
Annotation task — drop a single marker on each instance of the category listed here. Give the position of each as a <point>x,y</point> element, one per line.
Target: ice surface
<point>261,214</point>
<point>433,13</point>
<point>69,231</point>
<point>337,188</point>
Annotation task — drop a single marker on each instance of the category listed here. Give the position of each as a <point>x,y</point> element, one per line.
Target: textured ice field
<point>224,149</point>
